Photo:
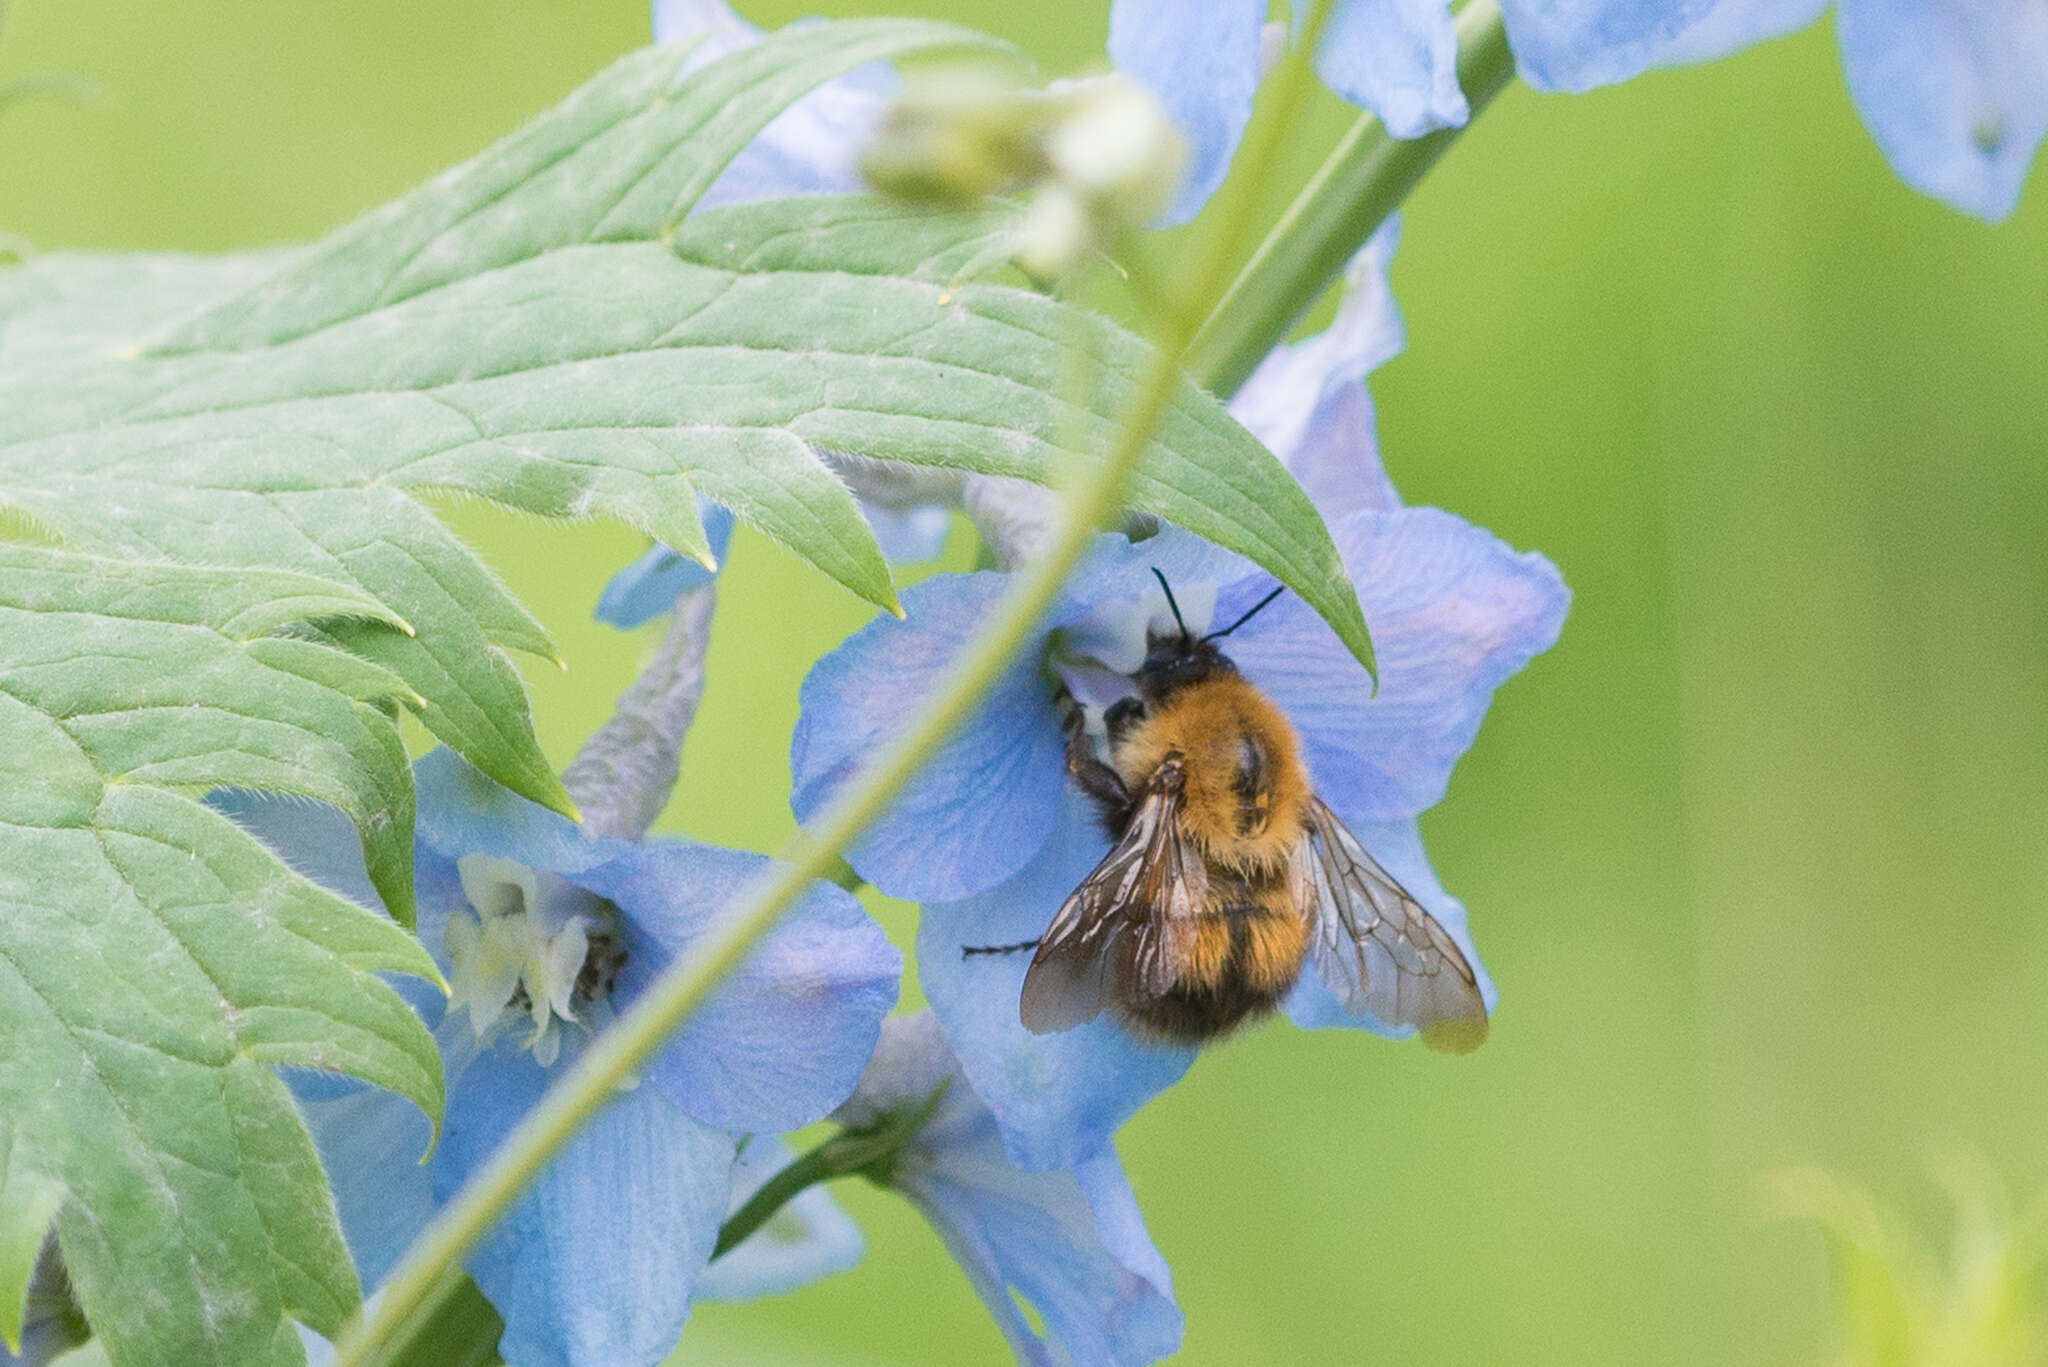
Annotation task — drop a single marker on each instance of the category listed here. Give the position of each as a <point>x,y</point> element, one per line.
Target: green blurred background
<point>1756,854</point>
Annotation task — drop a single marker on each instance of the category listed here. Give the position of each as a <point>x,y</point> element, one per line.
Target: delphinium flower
<point>1954,91</point>
<point>991,836</point>
<point>1068,1240</point>
<point>543,931</point>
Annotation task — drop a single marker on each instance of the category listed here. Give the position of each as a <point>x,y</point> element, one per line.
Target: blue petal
<point>462,812</point>
<point>1057,1098</point>
<point>1954,91</point>
<point>1454,612</point>
<point>1068,1241</point>
<point>1308,403</point>
<point>983,804</point>
<point>1201,58</point>
<point>1398,58</point>
<point>371,1143</point>
<point>1579,44</point>
<point>782,1040</point>
<point>810,1238</point>
<point>316,839</point>
<point>1398,847</point>
<point>678,19</point>
<point>1730,25</point>
<point>650,585</point>
<point>810,148</point>
<point>908,536</point>
<point>593,1267</point>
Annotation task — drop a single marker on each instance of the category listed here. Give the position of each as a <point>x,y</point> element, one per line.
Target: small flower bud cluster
<point>1096,157</point>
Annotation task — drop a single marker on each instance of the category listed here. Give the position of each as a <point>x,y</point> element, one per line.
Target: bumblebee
<point>1226,874</point>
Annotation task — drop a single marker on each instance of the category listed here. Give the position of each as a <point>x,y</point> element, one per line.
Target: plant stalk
<point>1364,179</point>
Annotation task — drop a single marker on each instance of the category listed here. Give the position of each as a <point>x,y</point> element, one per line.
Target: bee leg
<point>1123,714</point>
<point>1017,948</point>
<point>1100,782</point>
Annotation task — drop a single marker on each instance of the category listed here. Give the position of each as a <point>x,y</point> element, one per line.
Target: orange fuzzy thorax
<point>1245,788</point>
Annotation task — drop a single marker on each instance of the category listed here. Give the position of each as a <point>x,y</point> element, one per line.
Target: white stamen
<point>530,931</point>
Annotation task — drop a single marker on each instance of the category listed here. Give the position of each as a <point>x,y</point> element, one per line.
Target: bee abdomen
<point>1246,955</point>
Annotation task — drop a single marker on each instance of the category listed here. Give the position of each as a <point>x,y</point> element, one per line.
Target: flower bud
<point>1095,157</point>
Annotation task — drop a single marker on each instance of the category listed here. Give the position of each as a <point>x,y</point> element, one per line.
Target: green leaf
<point>155,959</point>
<point>231,581</point>
<point>846,323</point>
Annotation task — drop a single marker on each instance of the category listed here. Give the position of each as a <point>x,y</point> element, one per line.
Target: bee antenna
<point>1250,613</point>
<point>1178,620</point>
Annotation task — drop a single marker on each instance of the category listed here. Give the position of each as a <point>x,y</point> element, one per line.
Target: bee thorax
<point>1244,788</point>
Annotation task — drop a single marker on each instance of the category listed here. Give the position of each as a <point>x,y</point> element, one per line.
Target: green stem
<point>462,1331</point>
<point>870,1151</point>
<point>1365,178</point>
<point>773,1194</point>
<point>431,1271</point>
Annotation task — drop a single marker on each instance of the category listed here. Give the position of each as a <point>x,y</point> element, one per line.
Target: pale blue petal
<point>812,147</point>
<point>1057,1098</point>
<point>908,536</point>
<point>594,1265</point>
<point>807,1240</point>
<point>462,812</point>
<point>314,838</point>
<point>1112,602</point>
<point>1398,847</point>
<point>371,1142</point>
<point>1307,401</point>
<point>712,19</point>
<point>1454,612</point>
<point>783,1039</point>
<point>1954,91</point>
<point>1398,58</point>
<point>1730,25</point>
<point>985,802</point>
<point>1201,58</point>
<point>1576,45</point>
<point>1070,1241</point>
<point>650,585</point>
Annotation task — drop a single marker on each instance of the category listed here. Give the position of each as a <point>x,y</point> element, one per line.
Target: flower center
<point>535,945</point>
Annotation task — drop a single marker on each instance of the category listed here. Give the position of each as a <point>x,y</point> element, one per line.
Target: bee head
<point>1178,661</point>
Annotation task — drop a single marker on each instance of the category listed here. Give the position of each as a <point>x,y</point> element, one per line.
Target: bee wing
<point>1127,929</point>
<point>1378,950</point>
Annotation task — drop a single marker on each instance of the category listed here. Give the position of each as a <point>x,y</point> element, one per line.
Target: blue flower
<point>1955,91</point>
<point>991,837</point>
<point>1068,1241</point>
<point>650,585</point>
<point>542,931</point>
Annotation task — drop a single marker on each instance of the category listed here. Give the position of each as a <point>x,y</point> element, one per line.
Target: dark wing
<point>1126,931</point>
<point>1378,950</point>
